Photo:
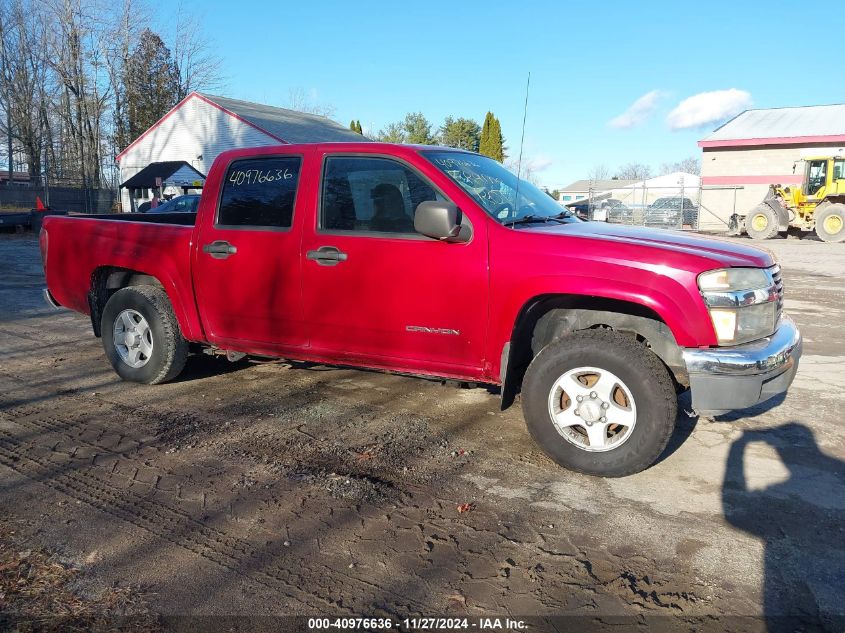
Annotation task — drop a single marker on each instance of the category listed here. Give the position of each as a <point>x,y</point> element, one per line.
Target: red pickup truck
<point>437,262</point>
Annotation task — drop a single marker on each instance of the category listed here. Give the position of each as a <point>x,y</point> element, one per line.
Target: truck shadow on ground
<point>800,521</point>
<point>752,412</point>
<point>201,366</point>
<point>273,566</point>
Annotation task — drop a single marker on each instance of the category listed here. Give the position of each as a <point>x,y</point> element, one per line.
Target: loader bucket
<point>736,224</point>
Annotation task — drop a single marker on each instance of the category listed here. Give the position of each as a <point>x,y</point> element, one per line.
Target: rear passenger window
<point>260,193</point>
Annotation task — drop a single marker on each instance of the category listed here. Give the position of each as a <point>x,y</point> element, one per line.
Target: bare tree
<point>525,171</point>
<point>599,172</point>
<point>117,49</point>
<point>79,65</point>
<point>634,171</point>
<point>199,68</point>
<point>689,165</point>
<point>22,84</point>
<point>300,101</point>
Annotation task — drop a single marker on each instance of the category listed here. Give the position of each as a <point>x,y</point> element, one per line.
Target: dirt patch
<point>41,591</point>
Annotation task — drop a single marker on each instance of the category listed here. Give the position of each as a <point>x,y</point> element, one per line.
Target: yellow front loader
<point>818,204</point>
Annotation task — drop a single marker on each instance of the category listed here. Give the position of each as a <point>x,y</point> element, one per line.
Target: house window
<point>567,197</point>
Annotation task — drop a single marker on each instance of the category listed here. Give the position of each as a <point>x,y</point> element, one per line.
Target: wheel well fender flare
<point>545,320</point>
<point>106,280</point>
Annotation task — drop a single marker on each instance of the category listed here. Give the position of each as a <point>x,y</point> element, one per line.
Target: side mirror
<point>440,220</point>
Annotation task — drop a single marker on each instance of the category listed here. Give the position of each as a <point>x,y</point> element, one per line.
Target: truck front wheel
<point>141,336</point>
<point>600,403</point>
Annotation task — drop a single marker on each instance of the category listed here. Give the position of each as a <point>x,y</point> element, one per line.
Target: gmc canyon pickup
<point>437,262</point>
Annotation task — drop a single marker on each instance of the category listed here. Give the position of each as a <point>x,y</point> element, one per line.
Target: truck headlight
<point>743,303</point>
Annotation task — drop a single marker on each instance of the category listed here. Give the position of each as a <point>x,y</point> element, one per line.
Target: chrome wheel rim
<point>592,409</point>
<point>133,338</point>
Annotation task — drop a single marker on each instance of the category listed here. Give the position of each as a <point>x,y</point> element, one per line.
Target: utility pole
<point>9,141</point>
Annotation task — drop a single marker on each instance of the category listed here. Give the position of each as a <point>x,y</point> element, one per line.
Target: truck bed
<point>81,249</point>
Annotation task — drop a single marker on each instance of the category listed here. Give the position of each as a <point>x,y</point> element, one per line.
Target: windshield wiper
<point>529,219</point>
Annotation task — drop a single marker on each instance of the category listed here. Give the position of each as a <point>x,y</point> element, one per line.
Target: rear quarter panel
<point>77,246</point>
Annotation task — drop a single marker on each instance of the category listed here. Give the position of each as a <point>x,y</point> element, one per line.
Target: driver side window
<point>371,195</point>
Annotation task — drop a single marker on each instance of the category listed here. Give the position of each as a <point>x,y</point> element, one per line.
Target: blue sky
<point>589,63</point>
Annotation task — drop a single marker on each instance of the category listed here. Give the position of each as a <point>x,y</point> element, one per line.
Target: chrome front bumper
<point>727,378</point>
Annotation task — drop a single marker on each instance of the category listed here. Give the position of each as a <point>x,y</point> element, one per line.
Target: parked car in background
<point>672,212</point>
<point>617,212</point>
<point>179,204</point>
<point>581,210</point>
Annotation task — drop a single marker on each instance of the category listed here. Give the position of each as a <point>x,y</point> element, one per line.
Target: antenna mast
<point>521,143</point>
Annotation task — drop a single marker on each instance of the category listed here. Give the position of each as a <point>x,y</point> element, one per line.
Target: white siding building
<point>759,148</point>
<point>198,128</point>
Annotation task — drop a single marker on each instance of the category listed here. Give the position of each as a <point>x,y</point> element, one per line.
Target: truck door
<point>375,289</point>
<point>247,266</point>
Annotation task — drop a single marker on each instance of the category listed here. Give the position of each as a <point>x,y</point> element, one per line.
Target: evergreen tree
<point>151,83</point>
<point>393,133</point>
<point>484,142</point>
<point>461,133</point>
<point>355,126</point>
<point>352,126</point>
<point>417,129</point>
<point>491,142</point>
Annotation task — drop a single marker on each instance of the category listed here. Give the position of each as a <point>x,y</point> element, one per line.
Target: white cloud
<point>708,108</point>
<point>540,163</point>
<point>638,111</point>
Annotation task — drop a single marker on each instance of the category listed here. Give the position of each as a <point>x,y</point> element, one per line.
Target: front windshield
<point>495,188</point>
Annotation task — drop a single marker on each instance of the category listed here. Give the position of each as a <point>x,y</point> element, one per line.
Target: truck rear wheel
<point>830,222</point>
<point>762,223</point>
<point>599,403</point>
<point>141,336</point>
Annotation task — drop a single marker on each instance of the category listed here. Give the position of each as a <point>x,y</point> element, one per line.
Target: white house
<point>198,128</point>
<point>646,192</point>
<point>588,189</point>
<point>632,193</point>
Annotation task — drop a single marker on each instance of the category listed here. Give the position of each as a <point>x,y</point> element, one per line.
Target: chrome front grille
<point>777,280</point>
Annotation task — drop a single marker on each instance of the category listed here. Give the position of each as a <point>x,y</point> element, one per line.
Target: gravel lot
<point>267,489</point>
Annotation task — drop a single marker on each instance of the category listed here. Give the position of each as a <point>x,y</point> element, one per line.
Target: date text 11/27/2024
<point>417,624</point>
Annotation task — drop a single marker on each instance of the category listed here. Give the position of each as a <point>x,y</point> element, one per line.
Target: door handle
<point>326,256</point>
<point>219,249</point>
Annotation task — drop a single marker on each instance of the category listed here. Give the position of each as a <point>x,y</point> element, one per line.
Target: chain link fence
<point>67,195</point>
<point>676,207</point>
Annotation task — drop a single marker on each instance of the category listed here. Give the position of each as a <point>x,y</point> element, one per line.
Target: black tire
<point>830,222</point>
<point>634,364</point>
<point>755,227</point>
<point>169,349</point>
